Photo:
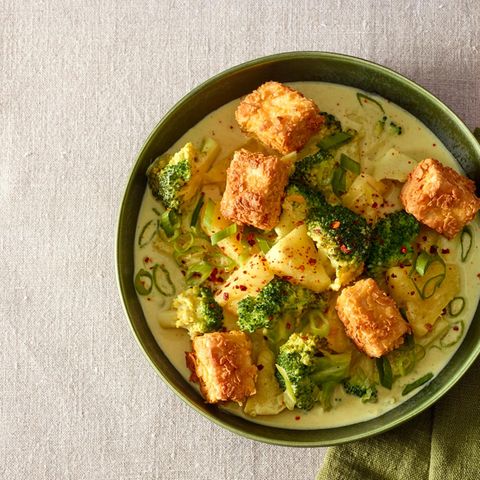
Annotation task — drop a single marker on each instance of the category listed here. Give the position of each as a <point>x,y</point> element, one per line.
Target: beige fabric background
<point>82,83</point>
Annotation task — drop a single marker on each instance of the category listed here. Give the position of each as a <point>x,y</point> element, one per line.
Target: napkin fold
<point>442,443</point>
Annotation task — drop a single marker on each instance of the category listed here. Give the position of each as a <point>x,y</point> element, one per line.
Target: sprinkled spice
<point>297,417</point>
<point>260,367</point>
<point>445,250</point>
<point>312,261</point>
<point>345,249</point>
<point>225,296</point>
<point>403,250</point>
<point>242,288</point>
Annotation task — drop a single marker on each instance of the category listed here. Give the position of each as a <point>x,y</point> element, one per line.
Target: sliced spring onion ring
<point>209,214</point>
<point>334,141</point>
<point>466,240</point>
<point>422,263</point>
<point>169,223</point>
<point>456,306</point>
<point>421,266</point>
<point>452,335</point>
<point>361,96</point>
<point>385,372</point>
<point>196,212</point>
<point>417,383</point>
<point>198,273</point>
<point>339,182</point>
<point>263,244</point>
<point>349,164</point>
<point>148,233</point>
<point>222,234</point>
<point>159,269</point>
<point>220,260</point>
<point>183,242</point>
<point>142,287</point>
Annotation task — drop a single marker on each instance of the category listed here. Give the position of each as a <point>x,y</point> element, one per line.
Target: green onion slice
<point>169,222</point>
<point>198,273</point>
<point>184,242</point>
<point>161,278</point>
<point>209,213</point>
<point>339,182</point>
<point>148,233</point>
<point>421,266</point>
<point>143,282</point>
<point>196,212</point>
<point>361,96</point>
<point>349,164</point>
<point>222,234</point>
<point>456,306</point>
<point>334,141</point>
<point>466,240</point>
<point>385,372</point>
<point>417,383</point>
<point>452,335</point>
<point>263,244</point>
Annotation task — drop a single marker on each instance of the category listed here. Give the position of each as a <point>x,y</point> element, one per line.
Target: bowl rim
<point>274,58</point>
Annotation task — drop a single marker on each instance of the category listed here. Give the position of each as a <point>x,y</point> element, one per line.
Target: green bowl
<point>231,84</point>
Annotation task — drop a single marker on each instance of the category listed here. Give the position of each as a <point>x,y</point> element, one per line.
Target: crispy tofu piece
<point>440,197</point>
<point>222,364</point>
<point>371,318</point>
<point>254,190</point>
<point>279,116</point>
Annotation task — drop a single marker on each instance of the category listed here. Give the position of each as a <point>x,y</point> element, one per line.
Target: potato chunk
<point>371,318</point>
<point>279,116</point>
<point>440,197</point>
<point>222,363</point>
<point>249,279</point>
<point>295,256</point>
<point>254,190</point>
<point>423,313</point>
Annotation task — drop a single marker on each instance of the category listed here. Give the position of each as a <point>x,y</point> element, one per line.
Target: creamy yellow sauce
<point>416,141</point>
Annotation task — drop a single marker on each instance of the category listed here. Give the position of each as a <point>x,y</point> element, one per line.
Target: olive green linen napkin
<point>442,443</point>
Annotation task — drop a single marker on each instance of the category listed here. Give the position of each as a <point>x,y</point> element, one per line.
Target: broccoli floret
<point>330,126</point>
<point>304,370</point>
<point>343,236</point>
<point>360,387</point>
<point>316,172</point>
<point>391,244</point>
<point>171,178</point>
<point>197,311</point>
<point>275,300</point>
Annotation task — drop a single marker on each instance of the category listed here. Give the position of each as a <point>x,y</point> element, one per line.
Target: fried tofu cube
<point>279,116</point>
<point>371,318</point>
<point>440,197</point>
<point>222,364</point>
<point>254,190</point>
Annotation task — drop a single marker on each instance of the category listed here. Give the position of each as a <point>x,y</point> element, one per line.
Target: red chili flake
<point>225,296</point>
<point>429,326</point>
<point>445,250</point>
<point>147,259</point>
<point>301,268</point>
<point>213,275</point>
<point>455,328</point>
<point>287,277</point>
<point>289,325</point>
<point>478,276</point>
<point>297,417</point>
<point>433,249</point>
<point>434,144</point>
<point>345,249</point>
<point>403,250</point>
<point>374,205</point>
<point>260,367</point>
<point>251,239</point>
<point>424,238</point>
<point>335,224</point>
<point>393,275</point>
<point>312,261</point>
<point>242,287</point>
<point>237,236</point>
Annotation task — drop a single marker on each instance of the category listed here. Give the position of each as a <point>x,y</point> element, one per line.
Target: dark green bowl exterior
<point>231,84</point>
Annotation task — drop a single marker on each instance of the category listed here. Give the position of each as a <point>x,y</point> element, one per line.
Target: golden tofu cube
<point>254,190</point>
<point>440,197</point>
<point>371,318</point>
<point>279,116</point>
<point>222,364</point>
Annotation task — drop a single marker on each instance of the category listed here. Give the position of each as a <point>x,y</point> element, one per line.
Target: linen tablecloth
<point>82,83</point>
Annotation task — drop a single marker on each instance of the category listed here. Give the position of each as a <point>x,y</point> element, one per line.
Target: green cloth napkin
<point>442,443</point>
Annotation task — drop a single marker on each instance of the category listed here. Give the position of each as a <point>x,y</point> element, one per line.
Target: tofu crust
<point>440,197</point>
<point>371,318</point>
<point>222,364</point>
<point>254,189</point>
<point>279,117</point>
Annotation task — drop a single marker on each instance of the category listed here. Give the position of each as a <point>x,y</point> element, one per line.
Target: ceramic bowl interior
<point>231,84</point>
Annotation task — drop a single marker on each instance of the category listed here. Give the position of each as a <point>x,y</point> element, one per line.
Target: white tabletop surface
<point>82,83</point>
